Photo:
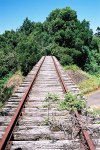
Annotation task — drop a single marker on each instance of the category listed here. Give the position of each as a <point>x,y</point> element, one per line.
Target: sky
<point>13,12</point>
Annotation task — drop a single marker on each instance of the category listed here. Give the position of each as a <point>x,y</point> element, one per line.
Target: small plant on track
<point>72,102</point>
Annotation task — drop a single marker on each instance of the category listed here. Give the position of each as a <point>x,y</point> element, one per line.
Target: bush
<point>72,102</point>
<point>5,78</point>
<point>5,93</point>
<point>66,60</point>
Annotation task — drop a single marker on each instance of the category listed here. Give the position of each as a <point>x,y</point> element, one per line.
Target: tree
<point>98,31</point>
<point>27,27</point>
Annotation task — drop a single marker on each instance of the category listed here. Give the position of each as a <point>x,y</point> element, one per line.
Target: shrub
<point>71,67</point>
<point>5,93</point>
<point>72,102</point>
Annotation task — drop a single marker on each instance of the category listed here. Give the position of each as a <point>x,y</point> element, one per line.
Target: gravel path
<point>94,99</point>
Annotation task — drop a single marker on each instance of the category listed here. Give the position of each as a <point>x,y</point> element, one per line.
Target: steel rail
<point>9,130</point>
<point>60,77</point>
<point>87,138</point>
<point>85,133</point>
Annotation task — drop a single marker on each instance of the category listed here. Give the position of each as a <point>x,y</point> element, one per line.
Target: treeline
<point>62,34</point>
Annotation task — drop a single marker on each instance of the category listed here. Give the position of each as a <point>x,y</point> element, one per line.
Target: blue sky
<point>13,12</point>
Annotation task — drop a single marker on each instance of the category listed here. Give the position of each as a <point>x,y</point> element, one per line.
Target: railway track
<point>30,120</point>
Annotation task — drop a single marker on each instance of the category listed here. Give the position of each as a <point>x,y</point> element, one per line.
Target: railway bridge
<point>34,121</point>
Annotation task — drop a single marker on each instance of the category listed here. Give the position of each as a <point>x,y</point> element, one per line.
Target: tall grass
<point>5,79</point>
<point>5,92</point>
<point>90,84</point>
<point>71,67</point>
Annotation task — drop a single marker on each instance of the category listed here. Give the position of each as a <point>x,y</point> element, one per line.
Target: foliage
<point>72,102</point>
<point>53,97</point>
<point>62,34</point>
<point>27,27</point>
<point>71,67</point>
<point>98,32</point>
<point>5,93</point>
<point>94,111</point>
<point>8,84</point>
<point>5,79</point>
<point>90,84</point>
<point>7,63</point>
<point>92,64</point>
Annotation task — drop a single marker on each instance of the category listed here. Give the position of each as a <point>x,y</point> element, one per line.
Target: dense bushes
<point>62,35</point>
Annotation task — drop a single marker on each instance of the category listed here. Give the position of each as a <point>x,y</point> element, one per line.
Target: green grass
<point>5,93</point>
<point>6,89</point>
<point>97,111</point>
<point>92,83</point>
<point>94,111</point>
<point>71,67</point>
<point>5,79</point>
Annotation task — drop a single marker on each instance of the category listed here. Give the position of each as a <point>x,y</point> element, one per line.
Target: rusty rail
<point>85,133</point>
<point>87,138</point>
<point>60,77</point>
<point>8,133</point>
